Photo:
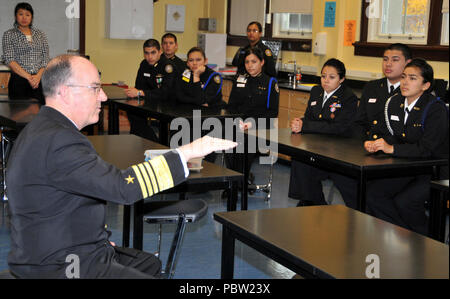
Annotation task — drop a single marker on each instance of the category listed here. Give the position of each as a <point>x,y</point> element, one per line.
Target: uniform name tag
<point>240,85</point>
<point>313,103</point>
<point>372,101</point>
<point>395,117</point>
<point>146,75</point>
<point>241,79</point>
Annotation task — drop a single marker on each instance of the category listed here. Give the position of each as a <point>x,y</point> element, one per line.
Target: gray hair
<point>57,73</point>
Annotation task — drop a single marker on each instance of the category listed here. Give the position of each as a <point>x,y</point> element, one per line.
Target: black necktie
<point>392,90</point>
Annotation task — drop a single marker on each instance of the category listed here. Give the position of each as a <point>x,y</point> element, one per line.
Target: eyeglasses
<point>95,88</point>
<point>252,30</point>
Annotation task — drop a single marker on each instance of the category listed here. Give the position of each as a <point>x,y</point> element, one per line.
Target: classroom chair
<point>174,211</point>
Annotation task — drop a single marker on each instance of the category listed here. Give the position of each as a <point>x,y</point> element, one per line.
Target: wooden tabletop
<point>334,241</point>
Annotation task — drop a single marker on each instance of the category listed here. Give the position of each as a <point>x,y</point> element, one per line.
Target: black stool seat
<point>180,212</point>
<point>169,211</point>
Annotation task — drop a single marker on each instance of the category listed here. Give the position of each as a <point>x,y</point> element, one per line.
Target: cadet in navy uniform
<point>331,110</point>
<point>255,95</point>
<point>416,125</point>
<point>154,82</point>
<point>59,186</point>
<point>254,34</point>
<point>370,113</point>
<point>169,45</point>
<point>199,84</point>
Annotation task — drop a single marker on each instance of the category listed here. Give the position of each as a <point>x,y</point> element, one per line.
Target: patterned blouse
<point>30,56</point>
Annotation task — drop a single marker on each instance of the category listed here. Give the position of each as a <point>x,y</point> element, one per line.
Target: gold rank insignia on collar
<point>130,180</point>
<point>416,108</point>
<point>402,105</point>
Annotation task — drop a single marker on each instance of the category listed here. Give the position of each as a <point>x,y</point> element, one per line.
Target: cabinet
<point>292,104</point>
<point>226,89</point>
<point>4,79</point>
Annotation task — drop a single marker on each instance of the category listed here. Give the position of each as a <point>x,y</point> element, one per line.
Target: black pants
<point>106,262</point>
<point>127,263</point>
<point>306,184</point>
<point>400,201</point>
<point>20,88</point>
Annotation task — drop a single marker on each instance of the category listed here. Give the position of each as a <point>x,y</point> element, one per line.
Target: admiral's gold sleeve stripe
<point>141,181</point>
<point>162,172</point>
<point>146,179</point>
<point>152,177</point>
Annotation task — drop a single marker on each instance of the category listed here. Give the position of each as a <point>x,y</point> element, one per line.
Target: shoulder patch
<point>276,88</point>
<point>169,69</point>
<point>217,79</point>
<point>268,52</point>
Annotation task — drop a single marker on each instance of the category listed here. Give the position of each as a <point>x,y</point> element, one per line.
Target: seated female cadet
<point>199,84</point>
<point>25,51</point>
<point>255,95</point>
<point>416,126</point>
<point>331,109</point>
<point>254,34</point>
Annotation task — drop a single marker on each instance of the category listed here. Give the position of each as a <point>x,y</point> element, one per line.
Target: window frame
<point>288,44</point>
<point>432,51</point>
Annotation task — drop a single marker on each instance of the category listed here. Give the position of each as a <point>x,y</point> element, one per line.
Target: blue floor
<point>201,249</point>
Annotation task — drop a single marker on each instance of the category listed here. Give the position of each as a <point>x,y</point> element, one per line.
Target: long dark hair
<point>24,6</point>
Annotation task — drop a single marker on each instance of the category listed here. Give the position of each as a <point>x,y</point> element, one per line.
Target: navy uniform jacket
<point>179,64</point>
<point>253,97</point>
<point>415,139</point>
<point>335,117</point>
<point>370,113</point>
<point>269,65</point>
<point>157,80</point>
<point>58,187</point>
<point>207,91</point>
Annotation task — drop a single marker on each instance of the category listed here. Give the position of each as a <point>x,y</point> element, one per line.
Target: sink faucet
<point>295,65</point>
<point>292,74</point>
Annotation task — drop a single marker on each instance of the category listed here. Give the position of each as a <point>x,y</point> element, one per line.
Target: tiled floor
<point>201,250</point>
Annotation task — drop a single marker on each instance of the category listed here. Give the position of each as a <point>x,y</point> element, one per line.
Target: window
<point>403,21</point>
<point>292,25</point>
<point>445,23</point>
<point>445,33</point>
<point>423,24</point>
<point>291,22</point>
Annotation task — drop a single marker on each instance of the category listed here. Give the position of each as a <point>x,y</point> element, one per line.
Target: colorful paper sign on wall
<point>330,14</point>
<point>349,32</point>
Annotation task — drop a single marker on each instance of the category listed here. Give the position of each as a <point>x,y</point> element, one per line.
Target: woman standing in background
<point>254,34</point>
<point>26,52</point>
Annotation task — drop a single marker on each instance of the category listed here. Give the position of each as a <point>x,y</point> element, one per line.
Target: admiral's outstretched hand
<point>204,146</point>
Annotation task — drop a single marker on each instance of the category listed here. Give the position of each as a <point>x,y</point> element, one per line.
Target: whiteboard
<point>55,18</point>
<point>131,19</point>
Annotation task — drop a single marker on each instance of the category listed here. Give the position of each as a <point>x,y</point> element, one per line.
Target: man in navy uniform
<point>370,113</point>
<point>154,82</point>
<point>58,185</point>
<point>169,45</point>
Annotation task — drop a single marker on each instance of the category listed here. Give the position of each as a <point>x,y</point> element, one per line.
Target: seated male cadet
<point>154,82</point>
<point>169,45</point>
<point>58,186</point>
<point>370,113</point>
